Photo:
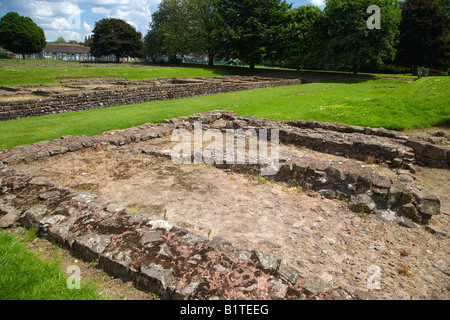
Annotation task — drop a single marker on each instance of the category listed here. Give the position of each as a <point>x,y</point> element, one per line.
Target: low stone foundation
<point>78,95</point>
<point>177,264</point>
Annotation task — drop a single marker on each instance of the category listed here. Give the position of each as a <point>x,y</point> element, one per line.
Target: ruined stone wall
<point>173,262</point>
<point>359,184</point>
<point>125,96</point>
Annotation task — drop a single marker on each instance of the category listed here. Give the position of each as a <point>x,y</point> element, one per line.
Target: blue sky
<point>74,19</point>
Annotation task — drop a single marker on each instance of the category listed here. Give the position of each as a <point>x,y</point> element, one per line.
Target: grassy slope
<point>24,276</point>
<point>377,103</point>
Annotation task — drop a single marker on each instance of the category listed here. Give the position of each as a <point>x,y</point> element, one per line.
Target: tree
<point>115,36</point>
<point>87,41</point>
<point>181,27</point>
<point>61,40</point>
<point>170,29</point>
<point>204,23</point>
<point>423,35</point>
<point>152,46</point>
<point>298,43</point>
<point>349,43</point>
<point>21,35</point>
<point>250,28</point>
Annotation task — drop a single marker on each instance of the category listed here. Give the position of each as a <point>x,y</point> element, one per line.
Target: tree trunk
<point>210,60</point>
<point>355,69</point>
<point>252,65</point>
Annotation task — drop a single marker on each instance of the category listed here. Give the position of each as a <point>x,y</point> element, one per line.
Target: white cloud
<point>101,10</point>
<point>71,18</point>
<point>58,24</point>
<point>138,16</point>
<point>319,3</point>
<point>66,34</point>
<point>87,27</point>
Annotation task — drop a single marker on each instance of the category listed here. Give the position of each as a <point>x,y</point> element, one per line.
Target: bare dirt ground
<point>314,235</point>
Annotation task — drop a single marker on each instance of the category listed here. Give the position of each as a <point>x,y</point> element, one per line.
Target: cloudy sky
<point>74,19</point>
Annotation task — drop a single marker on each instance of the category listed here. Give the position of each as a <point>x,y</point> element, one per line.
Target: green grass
<point>394,105</point>
<point>10,75</point>
<point>93,122</point>
<point>24,276</point>
<point>377,103</point>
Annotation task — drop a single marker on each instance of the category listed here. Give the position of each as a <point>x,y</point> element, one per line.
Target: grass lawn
<point>390,104</point>
<point>377,103</point>
<point>24,276</point>
<point>12,75</point>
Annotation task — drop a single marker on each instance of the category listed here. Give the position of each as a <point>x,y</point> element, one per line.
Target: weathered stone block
<point>436,153</point>
<point>315,284</point>
<point>428,203</point>
<point>46,222</point>
<point>59,233</point>
<point>90,247</point>
<point>48,195</point>
<point>288,272</point>
<point>366,180</point>
<point>361,203</point>
<point>267,262</point>
<point>327,193</point>
<point>151,236</point>
<point>8,220</point>
<point>336,173</point>
<point>154,278</point>
<point>277,289</point>
<point>31,217</point>
<point>118,264</point>
<point>75,146</point>
<point>186,292</point>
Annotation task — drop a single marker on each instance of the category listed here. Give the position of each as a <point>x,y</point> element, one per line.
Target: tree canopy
<point>250,29</point>
<point>115,36</point>
<point>348,42</point>
<point>423,34</point>
<point>346,35</point>
<point>20,34</point>
<point>297,43</point>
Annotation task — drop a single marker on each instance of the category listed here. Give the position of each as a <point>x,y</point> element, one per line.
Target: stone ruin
<point>177,264</point>
<point>84,94</point>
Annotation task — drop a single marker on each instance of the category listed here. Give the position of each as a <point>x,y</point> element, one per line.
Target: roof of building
<point>72,48</point>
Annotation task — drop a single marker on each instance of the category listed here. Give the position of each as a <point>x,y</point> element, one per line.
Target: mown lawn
<point>378,103</point>
<point>11,75</point>
<point>24,276</point>
<point>390,104</point>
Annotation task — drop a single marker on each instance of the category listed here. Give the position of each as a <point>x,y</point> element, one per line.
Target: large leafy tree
<point>20,34</point>
<point>170,31</point>
<point>250,29</point>
<point>152,46</point>
<point>115,36</point>
<point>424,35</point>
<point>181,27</point>
<point>349,43</point>
<point>298,44</point>
<point>203,25</point>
